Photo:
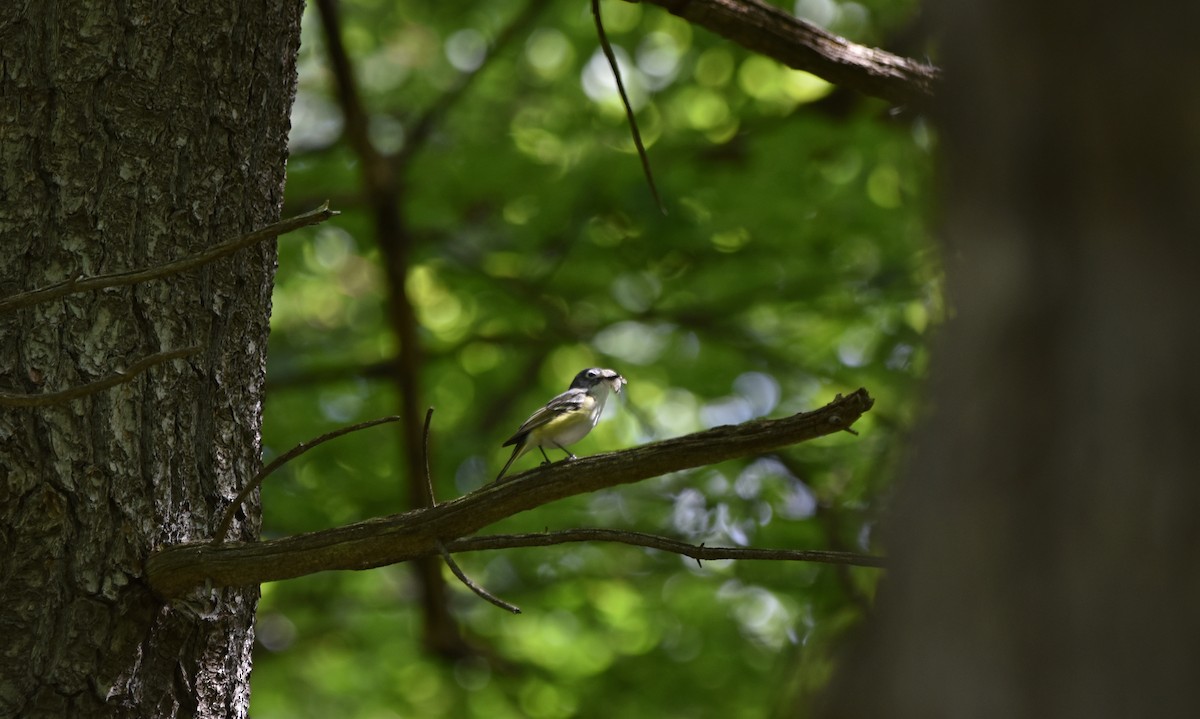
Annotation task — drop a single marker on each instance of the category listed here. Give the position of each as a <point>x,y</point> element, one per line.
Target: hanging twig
<point>485,594</point>
<point>283,459</point>
<point>10,399</point>
<point>637,136</point>
<point>132,277</point>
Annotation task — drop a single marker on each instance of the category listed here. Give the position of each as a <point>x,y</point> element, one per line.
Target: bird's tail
<point>517,452</point>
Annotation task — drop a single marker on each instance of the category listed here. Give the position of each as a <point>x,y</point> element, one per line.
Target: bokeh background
<point>795,262</point>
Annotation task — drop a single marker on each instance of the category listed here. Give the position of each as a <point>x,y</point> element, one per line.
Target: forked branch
<point>173,571</point>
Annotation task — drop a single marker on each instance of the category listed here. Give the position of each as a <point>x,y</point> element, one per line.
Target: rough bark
<point>1045,545</point>
<point>132,133</point>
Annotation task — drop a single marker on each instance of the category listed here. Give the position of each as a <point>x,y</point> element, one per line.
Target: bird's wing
<point>568,401</point>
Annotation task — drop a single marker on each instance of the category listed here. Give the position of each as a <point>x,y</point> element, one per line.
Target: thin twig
<point>9,399</point>
<point>132,277</point>
<point>654,541</point>
<point>283,459</point>
<point>485,594</point>
<point>425,454</point>
<point>637,136</point>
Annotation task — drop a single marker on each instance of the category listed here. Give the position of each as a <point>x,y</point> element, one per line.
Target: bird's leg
<point>544,454</point>
<point>570,454</point>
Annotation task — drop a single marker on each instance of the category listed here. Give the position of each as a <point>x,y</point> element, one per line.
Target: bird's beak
<point>613,380</point>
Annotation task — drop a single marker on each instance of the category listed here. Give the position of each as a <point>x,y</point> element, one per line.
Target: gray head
<point>597,376</point>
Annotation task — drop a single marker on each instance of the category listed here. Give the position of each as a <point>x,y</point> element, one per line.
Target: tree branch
<point>173,571</point>
<point>132,277</point>
<point>8,399</point>
<point>666,544</point>
<point>803,46</point>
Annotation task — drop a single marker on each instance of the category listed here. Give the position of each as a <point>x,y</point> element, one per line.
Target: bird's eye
<point>593,373</point>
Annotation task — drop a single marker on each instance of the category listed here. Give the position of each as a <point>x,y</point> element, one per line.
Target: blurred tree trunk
<point>131,134</point>
<point>1046,543</point>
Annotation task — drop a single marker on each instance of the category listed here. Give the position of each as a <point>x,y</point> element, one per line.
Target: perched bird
<point>567,418</point>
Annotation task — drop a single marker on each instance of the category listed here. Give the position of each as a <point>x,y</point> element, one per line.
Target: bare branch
<point>462,577</point>
<point>666,544</point>
<point>283,459</point>
<point>132,277</point>
<point>173,571</point>
<point>801,45</point>
<point>9,399</point>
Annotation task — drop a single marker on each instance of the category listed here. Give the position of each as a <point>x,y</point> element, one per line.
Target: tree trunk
<point>1046,540</point>
<point>131,134</point>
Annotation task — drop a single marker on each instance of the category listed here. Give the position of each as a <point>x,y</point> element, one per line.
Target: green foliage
<point>794,265</point>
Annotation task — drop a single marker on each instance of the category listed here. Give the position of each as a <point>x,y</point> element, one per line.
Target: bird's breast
<point>570,427</point>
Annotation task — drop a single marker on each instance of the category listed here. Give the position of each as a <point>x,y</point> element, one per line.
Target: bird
<point>567,418</point>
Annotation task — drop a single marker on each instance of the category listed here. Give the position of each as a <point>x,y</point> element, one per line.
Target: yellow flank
<point>562,424</point>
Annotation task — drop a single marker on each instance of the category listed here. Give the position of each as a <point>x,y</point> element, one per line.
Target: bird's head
<point>594,377</point>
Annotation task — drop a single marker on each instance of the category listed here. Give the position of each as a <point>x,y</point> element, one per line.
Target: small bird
<point>567,418</point>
